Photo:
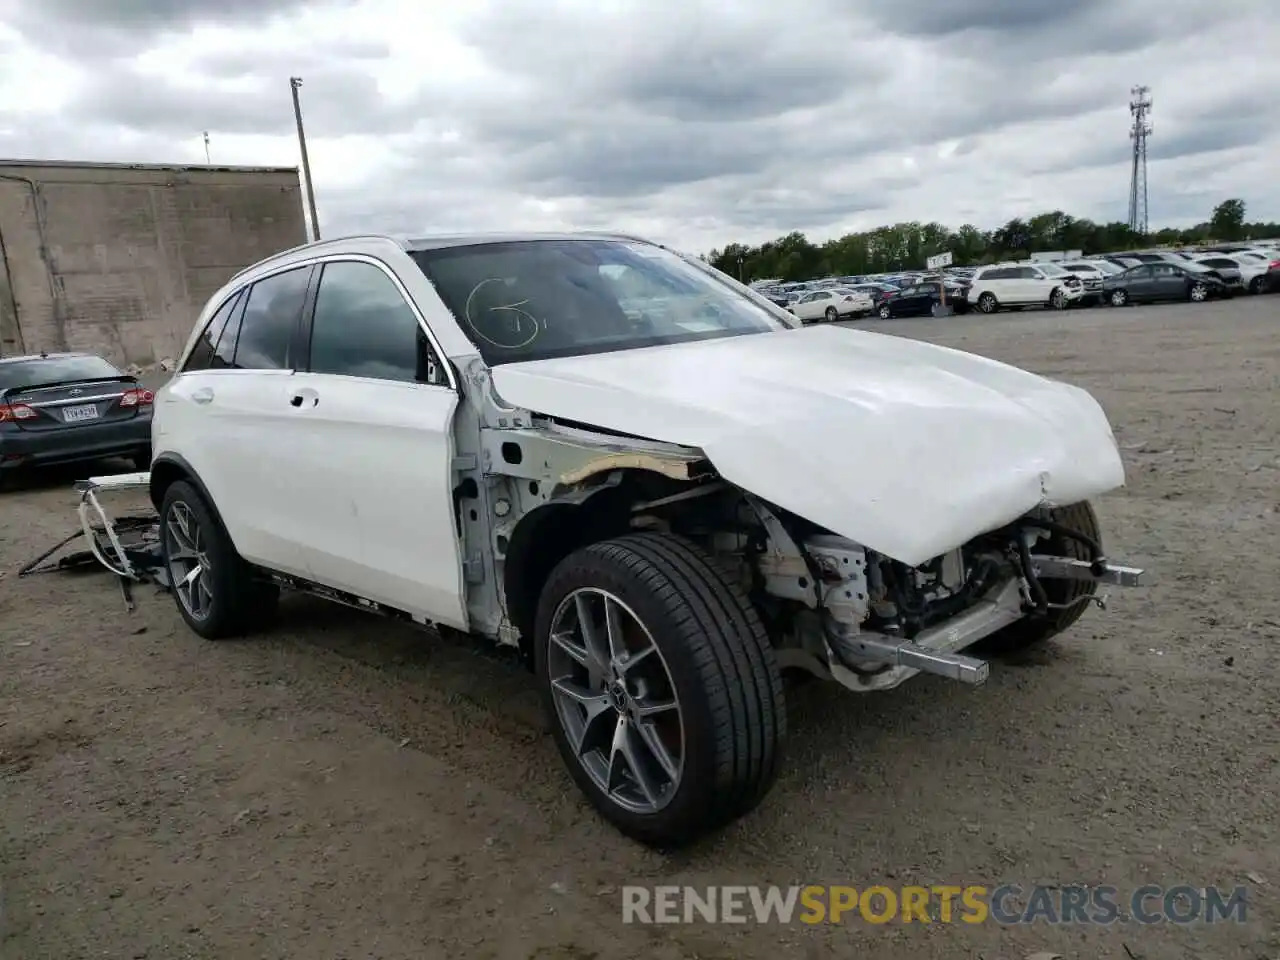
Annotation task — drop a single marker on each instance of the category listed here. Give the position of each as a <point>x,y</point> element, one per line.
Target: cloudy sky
<point>696,122</point>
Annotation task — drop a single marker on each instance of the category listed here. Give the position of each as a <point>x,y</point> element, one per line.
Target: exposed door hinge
<point>473,570</point>
<point>464,462</point>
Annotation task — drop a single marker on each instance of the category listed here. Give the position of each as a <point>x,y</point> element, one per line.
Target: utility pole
<point>206,148</point>
<point>294,84</point>
<point>1140,108</point>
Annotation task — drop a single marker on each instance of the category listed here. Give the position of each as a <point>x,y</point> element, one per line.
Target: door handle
<point>304,398</point>
<point>202,395</point>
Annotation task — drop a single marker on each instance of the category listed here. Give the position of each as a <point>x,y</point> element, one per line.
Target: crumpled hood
<point>908,448</point>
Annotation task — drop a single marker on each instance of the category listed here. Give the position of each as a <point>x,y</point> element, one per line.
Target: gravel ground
<point>346,787</point>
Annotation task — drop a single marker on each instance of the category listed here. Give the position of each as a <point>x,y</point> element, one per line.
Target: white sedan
<point>832,305</point>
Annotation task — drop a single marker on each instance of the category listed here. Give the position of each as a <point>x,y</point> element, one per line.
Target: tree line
<point>905,246</point>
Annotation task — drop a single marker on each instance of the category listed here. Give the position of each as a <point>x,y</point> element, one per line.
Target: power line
<point>1140,108</point>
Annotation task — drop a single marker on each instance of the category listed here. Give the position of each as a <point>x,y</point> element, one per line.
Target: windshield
<point>37,370</point>
<point>538,299</point>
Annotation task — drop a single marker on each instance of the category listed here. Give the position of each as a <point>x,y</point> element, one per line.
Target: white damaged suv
<point>643,474</point>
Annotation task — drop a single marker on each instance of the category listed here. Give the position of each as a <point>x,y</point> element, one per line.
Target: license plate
<point>87,411</point>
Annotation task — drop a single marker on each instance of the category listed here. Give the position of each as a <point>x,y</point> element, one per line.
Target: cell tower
<point>1140,107</point>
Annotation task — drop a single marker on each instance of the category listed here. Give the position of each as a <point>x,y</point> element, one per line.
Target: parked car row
<point>1139,276</point>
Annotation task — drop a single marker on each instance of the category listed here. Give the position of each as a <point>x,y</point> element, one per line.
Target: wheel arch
<point>594,509</point>
<point>170,468</point>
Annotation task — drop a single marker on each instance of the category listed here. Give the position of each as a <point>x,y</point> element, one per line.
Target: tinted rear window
<point>28,373</point>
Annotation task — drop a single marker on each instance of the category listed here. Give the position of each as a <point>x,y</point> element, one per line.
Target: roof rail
<point>303,246</point>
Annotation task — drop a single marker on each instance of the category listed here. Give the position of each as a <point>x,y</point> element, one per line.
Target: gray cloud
<point>699,121</point>
<point>143,16</point>
<point>250,60</point>
<point>1022,30</point>
<point>928,18</point>
<point>338,101</point>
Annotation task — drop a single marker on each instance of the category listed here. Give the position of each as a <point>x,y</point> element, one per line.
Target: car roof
<point>410,244</point>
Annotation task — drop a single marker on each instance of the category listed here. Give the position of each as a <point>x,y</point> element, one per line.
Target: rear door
<point>372,412</point>
<point>228,408</point>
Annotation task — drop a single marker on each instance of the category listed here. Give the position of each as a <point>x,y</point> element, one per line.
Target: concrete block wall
<point>119,260</point>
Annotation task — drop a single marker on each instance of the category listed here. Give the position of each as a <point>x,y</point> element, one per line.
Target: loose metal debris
<point>129,546</point>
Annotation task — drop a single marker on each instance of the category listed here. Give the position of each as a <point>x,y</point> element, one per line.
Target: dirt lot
<point>344,787</point>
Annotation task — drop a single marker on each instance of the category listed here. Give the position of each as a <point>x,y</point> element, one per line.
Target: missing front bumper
<point>890,660</point>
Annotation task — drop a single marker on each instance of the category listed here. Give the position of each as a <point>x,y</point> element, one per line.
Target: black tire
<point>239,602</point>
<point>987,303</point>
<point>1030,631</point>
<point>142,460</point>
<point>1057,299</point>
<point>832,314</point>
<point>1201,289</point>
<point>1119,298</point>
<point>885,313</point>
<point>1257,285</point>
<point>721,664</point>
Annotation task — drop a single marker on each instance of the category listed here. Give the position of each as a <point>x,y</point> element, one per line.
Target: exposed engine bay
<point>840,611</point>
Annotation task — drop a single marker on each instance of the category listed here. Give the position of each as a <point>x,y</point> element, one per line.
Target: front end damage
<point>846,613</point>
<point>832,606</point>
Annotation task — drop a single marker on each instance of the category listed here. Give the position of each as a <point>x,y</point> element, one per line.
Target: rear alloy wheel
<point>214,588</point>
<point>885,313</point>
<point>832,314</point>
<point>987,303</point>
<point>1256,285</point>
<point>1058,299</point>
<point>1119,298</point>
<point>662,689</point>
<point>1199,293</point>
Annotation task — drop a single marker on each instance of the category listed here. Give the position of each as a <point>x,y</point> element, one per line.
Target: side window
<point>363,327</point>
<point>1029,273</point>
<point>1163,270</point>
<point>224,351</point>
<point>201,356</point>
<point>270,319</point>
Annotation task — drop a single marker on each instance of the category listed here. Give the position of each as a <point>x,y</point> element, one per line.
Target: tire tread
<point>737,672</point>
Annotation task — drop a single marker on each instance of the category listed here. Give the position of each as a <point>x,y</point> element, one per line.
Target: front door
<point>915,301</point>
<point>1141,284</point>
<point>1168,282</point>
<point>805,306</point>
<point>375,418</point>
